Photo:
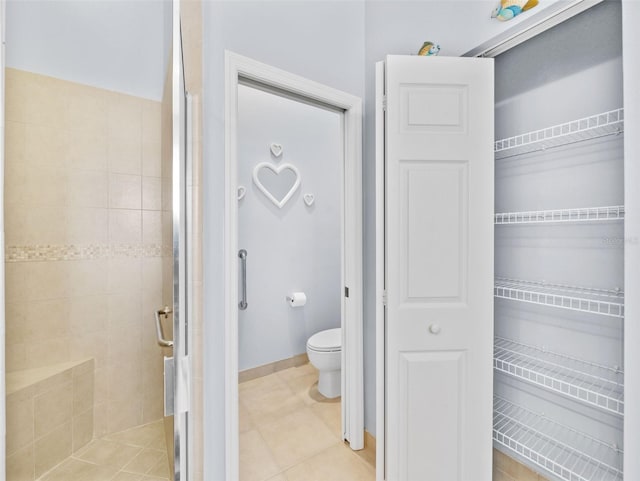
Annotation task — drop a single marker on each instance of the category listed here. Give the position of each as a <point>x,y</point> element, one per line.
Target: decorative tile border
<point>34,253</point>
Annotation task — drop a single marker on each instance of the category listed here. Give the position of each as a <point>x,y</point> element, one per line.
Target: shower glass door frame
<point>178,374</point>
<point>239,69</point>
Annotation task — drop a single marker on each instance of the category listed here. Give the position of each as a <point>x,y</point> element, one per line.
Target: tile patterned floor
<point>290,432</point>
<point>136,454</point>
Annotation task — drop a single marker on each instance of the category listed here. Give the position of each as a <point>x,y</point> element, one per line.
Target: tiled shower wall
<point>83,210</point>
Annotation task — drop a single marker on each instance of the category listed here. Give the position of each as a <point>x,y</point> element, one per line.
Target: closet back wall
<point>297,247</point>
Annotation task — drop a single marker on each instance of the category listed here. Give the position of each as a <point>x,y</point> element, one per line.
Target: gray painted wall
<point>115,45</point>
<point>295,248</point>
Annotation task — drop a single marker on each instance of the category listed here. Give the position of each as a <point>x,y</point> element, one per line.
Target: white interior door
<point>439,268</point>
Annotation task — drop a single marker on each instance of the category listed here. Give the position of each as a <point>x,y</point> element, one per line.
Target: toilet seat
<point>326,341</point>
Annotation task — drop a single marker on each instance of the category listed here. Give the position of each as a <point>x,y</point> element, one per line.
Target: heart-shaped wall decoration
<point>276,149</point>
<point>276,170</point>
<point>309,199</point>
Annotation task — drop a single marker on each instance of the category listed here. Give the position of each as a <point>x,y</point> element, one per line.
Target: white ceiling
<point>112,44</point>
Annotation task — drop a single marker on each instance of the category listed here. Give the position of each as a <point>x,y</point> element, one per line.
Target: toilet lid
<point>329,340</point>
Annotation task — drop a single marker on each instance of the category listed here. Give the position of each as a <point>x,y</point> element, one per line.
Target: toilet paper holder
<point>297,299</point>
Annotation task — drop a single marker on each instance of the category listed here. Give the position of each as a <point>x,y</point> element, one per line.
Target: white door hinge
<point>384,103</point>
<point>384,297</point>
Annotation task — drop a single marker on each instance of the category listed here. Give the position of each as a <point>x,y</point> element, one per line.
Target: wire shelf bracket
<point>587,214</point>
<point>587,382</point>
<point>558,449</point>
<point>583,299</point>
<point>593,127</point>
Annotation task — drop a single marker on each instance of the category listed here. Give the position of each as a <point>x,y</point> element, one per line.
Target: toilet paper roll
<point>297,299</point>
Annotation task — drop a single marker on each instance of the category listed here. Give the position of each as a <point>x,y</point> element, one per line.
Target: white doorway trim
<point>238,69</point>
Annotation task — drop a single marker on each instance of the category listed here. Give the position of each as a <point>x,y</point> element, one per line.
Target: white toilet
<point>324,349</point>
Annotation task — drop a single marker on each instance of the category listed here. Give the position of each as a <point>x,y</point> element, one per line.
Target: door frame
<point>238,69</point>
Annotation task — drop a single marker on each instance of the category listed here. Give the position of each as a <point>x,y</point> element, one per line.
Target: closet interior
<point>559,250</point>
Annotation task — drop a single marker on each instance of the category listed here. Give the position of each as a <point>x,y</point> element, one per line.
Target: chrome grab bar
<point>242,254</point>
<point>159,331</point>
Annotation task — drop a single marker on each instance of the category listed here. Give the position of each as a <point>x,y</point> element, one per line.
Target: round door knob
<point>434,329</point>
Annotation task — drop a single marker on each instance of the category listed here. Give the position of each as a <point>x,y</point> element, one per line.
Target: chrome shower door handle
<point>159,330</point>
<point>242,254</point>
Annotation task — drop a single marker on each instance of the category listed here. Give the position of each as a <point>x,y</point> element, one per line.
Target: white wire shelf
<point>606,302</point>
<point>595,126</point>
<point>587,214</point>
<point>569,454</point>
<point>591,383</point>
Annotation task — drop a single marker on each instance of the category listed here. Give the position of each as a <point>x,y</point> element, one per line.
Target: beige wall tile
<point>151,121</point>
<point>125,382</point>
<point>48,101</point>
<point>151,154</point>
<point>125,276</point>
<point>52,351</point>
<point>52,448</point>
<point>153,405</point>
<point>16,328</point>
<point>55,380</point>
<point>15,224</point>
<point>166,194</point>
<point>125,226</point>
<point>47,280</point>
<point>87,365</point>
<point>83,389</point>
<point>100,421</point>
<point>87,225</point>
<point>83,429</point>
<point>20,421</point>
<point>87,277</point>
<point>16,357</point>
<point>46,185</point>
<point>124,312</point>
<point>47,319</point>
<point>124,117</point>
<point>52,409</point>
<point>124,156</point>
<point>88,148</point>
<point>151,227</point>
<point>89,345</point>
<point>20,465</point>
<point>88,108</point>
<point>15,142</point>
<point>46,145</point>
<point>16,93</point>
<point>16,281</point>
<point>74,159</point>
<point>88,314</point>
<point>88,188</point>
<point>45,225</point>
<point>125,191</point>
<point>124,414</point>
<point>152,193</point>
<point>152,274</point>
